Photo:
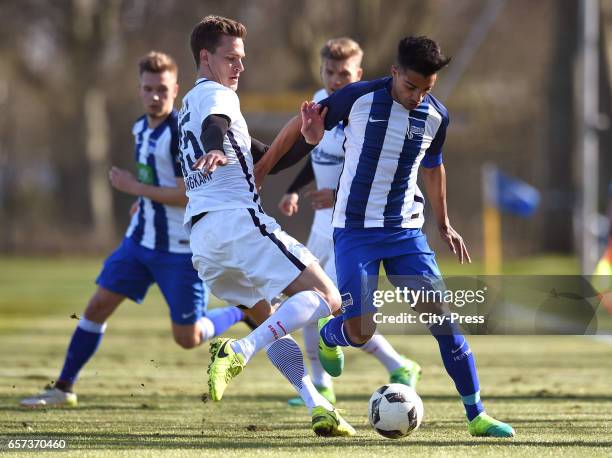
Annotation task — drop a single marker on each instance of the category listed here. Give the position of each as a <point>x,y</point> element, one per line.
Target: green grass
<point>141,393</point>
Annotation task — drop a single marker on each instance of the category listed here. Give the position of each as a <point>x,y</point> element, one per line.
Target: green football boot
<point>408,374</point>
<point>224,366</point>
<point>332,358</point>
<point>329,423</point>
<point>326,392</point>
<point>486,426</point>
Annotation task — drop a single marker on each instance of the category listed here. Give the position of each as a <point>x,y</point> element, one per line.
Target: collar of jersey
<point>201,80</point>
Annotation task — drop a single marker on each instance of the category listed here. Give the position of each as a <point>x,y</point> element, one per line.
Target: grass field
<point>141,394</point>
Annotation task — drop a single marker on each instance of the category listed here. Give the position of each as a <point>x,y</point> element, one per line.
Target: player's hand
<point>313,122</point>
<point>288,205</point>
<point>123,180</point>
<point>134,207</point>
<point>323,198</point>
<point>210,161</point>
<point>455,243</point>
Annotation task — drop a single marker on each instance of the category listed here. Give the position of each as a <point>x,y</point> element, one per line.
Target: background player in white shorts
<point>238,250</point>
<point>340,65</point>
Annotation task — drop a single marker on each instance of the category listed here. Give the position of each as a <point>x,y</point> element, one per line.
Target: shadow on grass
<point>440,397</point>
<point>102,441</point>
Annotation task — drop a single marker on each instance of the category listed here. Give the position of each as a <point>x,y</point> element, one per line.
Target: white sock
<point>311,344</point>
<point>297,311</point>
<point>381,349</point>
<point>286,355</point>
<point>207,329</point>
<point>91,326</point>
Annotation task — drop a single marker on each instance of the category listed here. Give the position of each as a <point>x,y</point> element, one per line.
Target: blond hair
<point>341,48</point>
<point>157,62</point>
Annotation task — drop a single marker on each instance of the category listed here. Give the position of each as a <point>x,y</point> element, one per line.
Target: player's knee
<point>187,340</point>
<point>358,331</point>
<point>333,299</point>
<point>99,305</point>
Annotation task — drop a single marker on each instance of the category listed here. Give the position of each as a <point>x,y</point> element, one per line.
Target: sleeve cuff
<point>432,160</point>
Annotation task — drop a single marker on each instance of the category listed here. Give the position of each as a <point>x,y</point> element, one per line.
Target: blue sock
<point>84,343</point>
<point>224,318</point>
<point>333,334</point>
<point>460,365</point>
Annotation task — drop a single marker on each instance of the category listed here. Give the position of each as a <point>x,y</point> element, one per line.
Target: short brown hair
<point>340,49</point>
<point>208,32</point>
<point>157,62</point>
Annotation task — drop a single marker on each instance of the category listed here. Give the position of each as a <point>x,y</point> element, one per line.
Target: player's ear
<point>203,56</point>
<point>176,90</point>
<point>394,71</point>
<point>359,73</point>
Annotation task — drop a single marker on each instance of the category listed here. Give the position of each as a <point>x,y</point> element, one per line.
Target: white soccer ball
<point>395,410</point>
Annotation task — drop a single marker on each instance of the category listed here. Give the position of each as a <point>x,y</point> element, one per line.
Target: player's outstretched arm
<point>435,186</point>
<point>286,138</point>
<point>313,122</point>
<point>124,181</point>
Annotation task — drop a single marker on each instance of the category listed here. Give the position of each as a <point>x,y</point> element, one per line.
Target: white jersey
<point>231,186</point>
<point>327,162</point>
<point>385,145</point>
<point>155,225</point>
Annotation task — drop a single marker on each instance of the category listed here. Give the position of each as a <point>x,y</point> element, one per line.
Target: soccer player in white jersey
<point>340,65</point>
<point>240,252</point>
<point>155,248</point>
<point>393,128</point>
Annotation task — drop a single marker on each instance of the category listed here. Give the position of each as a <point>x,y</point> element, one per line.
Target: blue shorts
<point>132,268</point>
<point>359,252</point>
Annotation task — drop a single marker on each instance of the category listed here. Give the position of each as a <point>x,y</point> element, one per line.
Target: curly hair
<point>421,54</point>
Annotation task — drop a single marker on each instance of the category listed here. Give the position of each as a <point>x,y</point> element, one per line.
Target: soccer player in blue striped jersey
<point>155,248</point>
<point>340,65</point>
<point>393,128</point>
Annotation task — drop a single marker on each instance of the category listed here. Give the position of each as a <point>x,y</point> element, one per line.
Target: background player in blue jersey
<point>340,65</point>
<point>155,248</point>
<point>393,127</point>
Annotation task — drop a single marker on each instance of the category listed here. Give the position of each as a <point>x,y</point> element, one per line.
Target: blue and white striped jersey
<point>385,144</point>
<point>154,225</point>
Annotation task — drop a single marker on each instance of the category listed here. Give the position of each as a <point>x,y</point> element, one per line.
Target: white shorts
<point>244,256</point>
<point>323,248</point>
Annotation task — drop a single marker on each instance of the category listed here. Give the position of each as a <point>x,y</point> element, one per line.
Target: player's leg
<point>357,265</point>
<point>419,264</point>
<point>323,248</point>
<point>286,356</point>
<point>187,298</point>
<point>312,295</point>
<point>274,262</point>
<point>244,256</point>
<point>122,276</point>
<point>401,369</point>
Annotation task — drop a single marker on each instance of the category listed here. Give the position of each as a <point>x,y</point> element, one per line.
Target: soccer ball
<point>395,410</point>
